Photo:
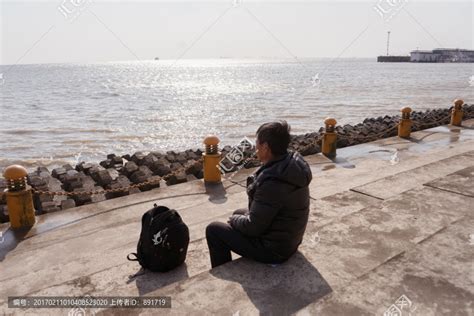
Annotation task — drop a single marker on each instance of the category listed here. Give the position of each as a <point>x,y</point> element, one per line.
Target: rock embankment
<point>375,128</point>
<point>158,168</point>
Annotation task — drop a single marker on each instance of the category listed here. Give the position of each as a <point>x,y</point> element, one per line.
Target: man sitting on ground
<point>272,227</point>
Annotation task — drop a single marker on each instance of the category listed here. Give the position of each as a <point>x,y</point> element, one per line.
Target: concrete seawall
<point>174,167</point>
<point>390,218</point>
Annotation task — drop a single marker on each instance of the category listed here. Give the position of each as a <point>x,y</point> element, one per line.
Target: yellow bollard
<point>211,159</point>
<point>329,143</point>
<point>19,197</point>
<point>404,127</point>
<point>457,113</point>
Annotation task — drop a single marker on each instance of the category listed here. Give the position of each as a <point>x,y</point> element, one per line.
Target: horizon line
<point>190,59</point>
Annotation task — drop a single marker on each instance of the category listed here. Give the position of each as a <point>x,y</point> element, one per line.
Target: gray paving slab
<point>403,181</point>
<point>422,142</point>
<point>360,241</point>
<point>461,182</point>
<point>120,212</point>
<point>367,167</point>
<point>436,276</point>
<point>348,249</point>
<point>89,246</point>
<point>115,278</point>
<point>334,207</point>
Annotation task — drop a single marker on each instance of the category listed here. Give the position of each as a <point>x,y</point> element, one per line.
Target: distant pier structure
<point>392,59</point>
<point>437,55</point>
<point>442,55</point>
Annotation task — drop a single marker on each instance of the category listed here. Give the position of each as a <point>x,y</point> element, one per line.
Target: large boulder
<point>102,177</point>
<point>41,180</point>
<point>193,167</point>
<point>175,178</point>
<point>171,157</point>
<point>84,167</point>
<point>181,158</point>
<point>82,199</point>
<point>138,157</point>
<point>141,175</point>
<point>310,149</point>
<point>129,168</point>
<point>160,167</point>
<point>121,182</point>
<point>149,160</point>
<point>57,172</point>
<point>175,166</point>
<point>154,183</point>
<point>191,155</point>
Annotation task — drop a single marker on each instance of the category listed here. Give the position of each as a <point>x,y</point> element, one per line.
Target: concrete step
<point>348,250</point>
<point>367,163</point>
<point>101,274</point>
<point>341,242</point>
<point>436,277</point>
<point>98,240</point>
<point>413,178</point>
<point>88,246</point>
<point>374,156</point>
<point>458,182</point>
<point>82,250</point>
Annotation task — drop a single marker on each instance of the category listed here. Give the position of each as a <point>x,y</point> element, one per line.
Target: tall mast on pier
<point>388,41</point>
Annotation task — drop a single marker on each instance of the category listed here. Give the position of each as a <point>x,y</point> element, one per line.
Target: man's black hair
<point>276,135</point>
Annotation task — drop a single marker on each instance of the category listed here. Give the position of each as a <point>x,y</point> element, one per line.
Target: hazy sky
<point>38,32</point>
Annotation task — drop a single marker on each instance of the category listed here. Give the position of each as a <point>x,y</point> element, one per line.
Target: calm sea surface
<point>58,113</point>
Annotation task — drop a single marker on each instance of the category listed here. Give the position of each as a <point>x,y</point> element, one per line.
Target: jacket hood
<point>289,167</point>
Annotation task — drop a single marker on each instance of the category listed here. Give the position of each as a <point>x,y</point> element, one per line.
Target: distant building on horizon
<point>442,55</point>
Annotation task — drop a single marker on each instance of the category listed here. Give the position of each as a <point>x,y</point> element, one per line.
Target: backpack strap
<point>158,209</point>
<point>130,259</point>
<point>142,271</point>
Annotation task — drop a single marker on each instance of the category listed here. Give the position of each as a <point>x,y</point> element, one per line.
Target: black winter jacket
<point>278,204</point>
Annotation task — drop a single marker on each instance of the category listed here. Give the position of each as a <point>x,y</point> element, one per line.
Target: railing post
<point>329,142</point>
<point>19,197</point>
<point>211,158</point>
<point>457,113</point>
<point>404,126</point>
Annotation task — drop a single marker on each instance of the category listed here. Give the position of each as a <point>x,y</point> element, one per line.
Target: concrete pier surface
<point>391,227</point>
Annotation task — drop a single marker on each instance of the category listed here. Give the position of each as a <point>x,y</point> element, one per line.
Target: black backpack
<point>164,240</point>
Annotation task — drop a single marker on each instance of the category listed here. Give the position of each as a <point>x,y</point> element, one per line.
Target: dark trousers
<point>222,239</point>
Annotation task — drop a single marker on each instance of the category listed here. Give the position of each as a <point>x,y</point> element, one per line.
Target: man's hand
<point>232,219</point>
